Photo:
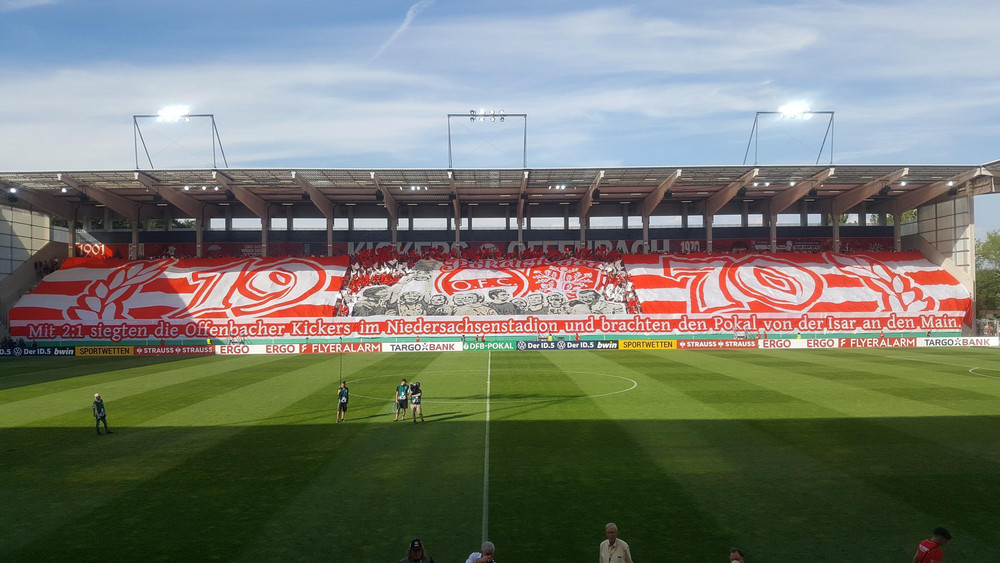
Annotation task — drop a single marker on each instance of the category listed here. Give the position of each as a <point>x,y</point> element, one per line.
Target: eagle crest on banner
<point>567,281</point>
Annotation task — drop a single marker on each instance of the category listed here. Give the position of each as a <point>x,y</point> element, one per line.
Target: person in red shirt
<point>929,551</point>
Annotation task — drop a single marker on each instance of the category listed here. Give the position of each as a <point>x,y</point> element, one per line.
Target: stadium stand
<point>686,294</point>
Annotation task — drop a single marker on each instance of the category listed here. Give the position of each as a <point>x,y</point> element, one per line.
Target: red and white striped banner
<point>178,291</point>
<point>790,283</point>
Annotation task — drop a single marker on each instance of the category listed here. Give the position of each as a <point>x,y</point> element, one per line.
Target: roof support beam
<point>918,197</point>
<point>588,196</point>
<point>186,203</point>
<point>586,203</point>
<point>120,205</point>
<point>319,199</point>
<point>456,205</point>
<point>256,204</point>
<point>522,200</point>
<point>49,204</point>
<point>849,199</point>
<point>323,203</point>
<point>654,198</point>
<point>180,200</point>
<point>390,206</point>
<point>719,199</point>
<point>785,199</point>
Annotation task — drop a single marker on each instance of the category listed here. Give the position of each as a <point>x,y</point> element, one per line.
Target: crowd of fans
<point>46,267</point>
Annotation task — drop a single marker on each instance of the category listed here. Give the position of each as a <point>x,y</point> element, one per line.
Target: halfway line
<point>486,455</point>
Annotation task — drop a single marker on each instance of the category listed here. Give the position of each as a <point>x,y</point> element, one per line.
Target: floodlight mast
<point>492,116</point>
<point>173,114</point>
<point>794,110</point>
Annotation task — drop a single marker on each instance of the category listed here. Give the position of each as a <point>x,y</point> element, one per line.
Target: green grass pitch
<point>792,455</point>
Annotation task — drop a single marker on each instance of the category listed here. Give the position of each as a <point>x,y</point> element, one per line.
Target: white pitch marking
<point>486,455</point>
<point>972,369</point>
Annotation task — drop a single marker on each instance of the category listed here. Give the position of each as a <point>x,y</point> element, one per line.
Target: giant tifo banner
<point>810,292</point>
<point>176,298</point>
<point>460,288</point>
<point>248,299</point>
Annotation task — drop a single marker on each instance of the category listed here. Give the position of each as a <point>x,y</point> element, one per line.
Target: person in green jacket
<point>99,414</point>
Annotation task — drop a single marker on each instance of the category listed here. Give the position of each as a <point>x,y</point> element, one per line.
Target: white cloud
<point>590,80</point>
<point>15,5</point>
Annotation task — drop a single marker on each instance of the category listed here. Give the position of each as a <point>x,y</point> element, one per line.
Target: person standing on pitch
<point>415,395</point>
<point>614,550</point>
<point>929,551</point>
<point>401,392</point>
<point>416,554</point>
<point>343,396</point>
<point>484,555</point>
<point>99,414</point>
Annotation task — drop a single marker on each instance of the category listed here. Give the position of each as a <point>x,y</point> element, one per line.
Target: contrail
<point>411,14</point>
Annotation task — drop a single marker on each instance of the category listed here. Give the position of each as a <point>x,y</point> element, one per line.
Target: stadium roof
<point>706,189</point>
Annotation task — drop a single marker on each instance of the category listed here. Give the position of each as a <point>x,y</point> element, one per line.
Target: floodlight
<point>13,190</point>
<point>174,114</point>
<point>793,110</point>
<point>493,115</point>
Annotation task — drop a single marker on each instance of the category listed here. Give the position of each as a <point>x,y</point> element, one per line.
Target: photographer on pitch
<point>414,395</point>
<point>484,555</point>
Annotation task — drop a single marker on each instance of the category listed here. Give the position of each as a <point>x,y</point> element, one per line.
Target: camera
<point>415,386</point>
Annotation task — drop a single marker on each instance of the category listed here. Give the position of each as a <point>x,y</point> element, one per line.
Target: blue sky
<point>353,84</point>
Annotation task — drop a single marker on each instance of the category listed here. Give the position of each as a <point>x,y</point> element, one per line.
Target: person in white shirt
<point>614,550</point>
<point>484,555</point>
